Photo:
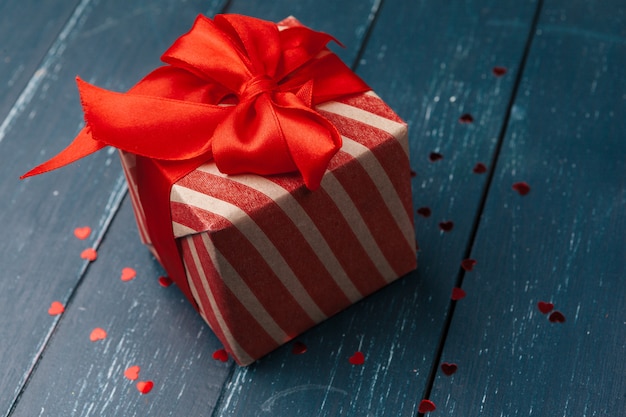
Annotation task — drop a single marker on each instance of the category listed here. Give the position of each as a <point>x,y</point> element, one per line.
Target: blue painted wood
<point>38,252</point>
<point>432,62</point>
<point>562,243</point>
<point>27,29</point>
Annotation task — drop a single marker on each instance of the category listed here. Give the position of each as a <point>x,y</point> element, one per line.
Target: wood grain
<point>561,243</point>
<point>28,29</point>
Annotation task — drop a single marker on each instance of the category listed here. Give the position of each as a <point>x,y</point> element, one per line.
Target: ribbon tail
<point>154,127</point>
<point>82,146</point>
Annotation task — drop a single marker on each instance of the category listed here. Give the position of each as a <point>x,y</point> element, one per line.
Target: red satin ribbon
<point>236,90</point>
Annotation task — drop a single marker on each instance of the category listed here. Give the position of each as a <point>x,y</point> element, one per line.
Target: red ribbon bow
<point>236,90</point>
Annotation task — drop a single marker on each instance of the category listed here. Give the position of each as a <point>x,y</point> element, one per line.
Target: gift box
<point>268,180</point>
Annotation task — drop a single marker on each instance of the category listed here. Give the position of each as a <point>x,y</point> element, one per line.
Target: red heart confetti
<point>413,174</point>
<point>521,187</point>
<point>446,226</point>
<point>298,348</point>
<point>220,355</point>
<point>165,281</point>
<point>424,211</point>
<point>448,368</point>
<point>132,372</point>
<point>82,233</point>
<point>426,406</point>
<point>128,274</point>
<point>145,387</point>
<point>480,168</point>
<point>466,118</point>
<point>557,317</point>
<point>97,334</point>
<point>498,71</point>
<point>545,307</point>
<point>435,156</point>
<point>357,359</point>
<point>90,254</point>
<point>468,264</point>
<point>458,294</point>
<point>56,308</point>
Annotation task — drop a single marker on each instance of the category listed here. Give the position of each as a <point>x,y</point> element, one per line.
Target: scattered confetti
<point>298,348</point>
<point>458,294</point>
<point>128,274</point>
<point>82,233</point>
<point>97,334</point>
<point>435,156</point>
<point>56,308</point>
<point>545,307</point>
<point>220,355</point>
<point>413,174</point>
<point>145,387</point>
<point>357,359</point>
<point>480,168</point>
<point>557,317</point>
<point>424,211</point>
<point>498,71</point>
<point>448,368</point>
<point>521,187</point>
<point>90,254</point>
<point>132,373</point>
<point>468,264</point>
<point>426,406</point>
<point>446,226</point>
<point>466,118</point>
<point>165,281</point>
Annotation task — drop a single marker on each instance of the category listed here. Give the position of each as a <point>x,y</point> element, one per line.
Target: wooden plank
<point>562,243</point>
<point>147,325</point>
<point>27,30</point>
<point>38,253</point>
<point>432,62</point>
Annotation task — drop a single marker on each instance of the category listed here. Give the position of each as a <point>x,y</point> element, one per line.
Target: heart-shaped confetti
<point>468,264</point>
<point>545,307</point>
<point>298,348</point>
<point>132,372</point>
<point>446,226</point>
<point>165,281</point>
<point>424,211</point>
<point>357,359</point>
<point>521,187</point>
<point>128,274</point>
<point>556,317</point>
<point>448,368</point>
<point>466,118</point>
<point>458,294</point>
<point>413,174</point>
<point>220,355</point>
<point>82,233</point>
<point>145,387</point>
<point>56,308</point>
<point>426,406</point>
<point>479,168</point>
<point>435,156</point>
<point>498,71</point>
<point>97,334</point>
<point>90,254</point>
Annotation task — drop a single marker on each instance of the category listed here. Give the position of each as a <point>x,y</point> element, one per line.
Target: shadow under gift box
<point>266,258</point>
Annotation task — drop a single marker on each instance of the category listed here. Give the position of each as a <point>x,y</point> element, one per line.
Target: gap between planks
<point>474,231</point>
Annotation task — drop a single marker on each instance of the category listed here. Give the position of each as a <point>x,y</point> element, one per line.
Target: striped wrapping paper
<point>267,259</point>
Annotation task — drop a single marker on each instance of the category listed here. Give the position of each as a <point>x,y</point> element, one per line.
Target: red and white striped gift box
<point>267,259</point>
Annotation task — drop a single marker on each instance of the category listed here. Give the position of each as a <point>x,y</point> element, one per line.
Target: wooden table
<point>545,86</point>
